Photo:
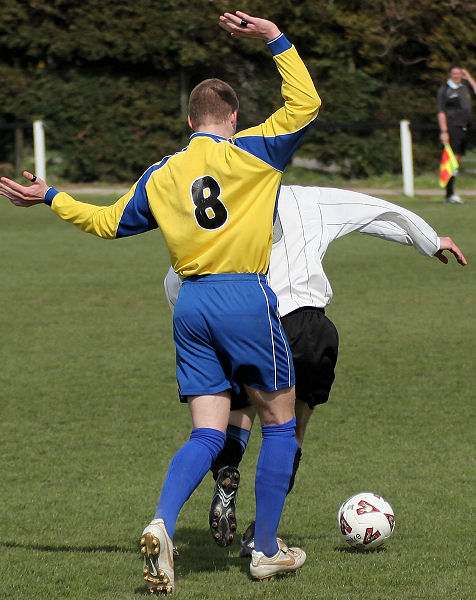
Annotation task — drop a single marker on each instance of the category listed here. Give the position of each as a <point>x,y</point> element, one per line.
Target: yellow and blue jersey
<point>214,201</point>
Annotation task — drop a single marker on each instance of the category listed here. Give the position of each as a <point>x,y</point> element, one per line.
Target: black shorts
<point>458,136</point>
<point>314,343</point>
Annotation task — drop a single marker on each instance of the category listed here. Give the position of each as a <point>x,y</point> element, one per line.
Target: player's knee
<point>274,408</point>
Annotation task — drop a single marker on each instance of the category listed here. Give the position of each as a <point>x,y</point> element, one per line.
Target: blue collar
<point>217,138</point>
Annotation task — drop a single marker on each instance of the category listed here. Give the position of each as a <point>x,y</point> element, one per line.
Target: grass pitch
<point>90,419</point>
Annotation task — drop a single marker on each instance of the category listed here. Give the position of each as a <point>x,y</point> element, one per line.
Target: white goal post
<point>407,158</point>
<point>39,149</point>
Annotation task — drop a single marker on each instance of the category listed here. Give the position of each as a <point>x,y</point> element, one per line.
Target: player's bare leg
<point>211,411</point>
<point>303,415</point>
<point>271,556</point>
<point>210,415</point>
<point>243,418</point>
<point>273,408</point>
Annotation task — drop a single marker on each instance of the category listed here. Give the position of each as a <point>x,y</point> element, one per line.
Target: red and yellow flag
<point>448,165</point>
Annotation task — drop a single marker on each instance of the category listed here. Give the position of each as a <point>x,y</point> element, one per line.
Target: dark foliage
<point>111,79</point>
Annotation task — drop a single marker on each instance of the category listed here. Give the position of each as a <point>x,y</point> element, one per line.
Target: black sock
<point>450,187</point>
<point>230,456</point>
<point>297,460</point>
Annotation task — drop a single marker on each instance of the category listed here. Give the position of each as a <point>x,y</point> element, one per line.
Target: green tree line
<point>111,78</point>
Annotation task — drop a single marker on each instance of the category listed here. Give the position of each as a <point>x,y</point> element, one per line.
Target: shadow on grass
<point>63,548</point>
<point>351,550</point>
<point>195,546</point>
<point>196,553</point>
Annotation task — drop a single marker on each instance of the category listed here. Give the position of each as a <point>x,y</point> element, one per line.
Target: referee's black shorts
<point>314,343</point>
<point>458,138</point>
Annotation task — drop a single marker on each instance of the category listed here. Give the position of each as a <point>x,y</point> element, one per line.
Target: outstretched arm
<point>130,215</point>
<point>392,232</point>
<point>345,211</point>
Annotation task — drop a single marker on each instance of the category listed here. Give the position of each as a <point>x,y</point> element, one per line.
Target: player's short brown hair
<point>212,100</point>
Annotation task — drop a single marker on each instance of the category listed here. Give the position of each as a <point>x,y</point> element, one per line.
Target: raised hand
<point>244,25</point>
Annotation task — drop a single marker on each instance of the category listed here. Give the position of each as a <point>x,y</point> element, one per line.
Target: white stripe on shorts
<point>272,341</point>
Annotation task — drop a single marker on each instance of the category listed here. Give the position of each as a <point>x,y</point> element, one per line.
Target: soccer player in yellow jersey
<point>214,202</point>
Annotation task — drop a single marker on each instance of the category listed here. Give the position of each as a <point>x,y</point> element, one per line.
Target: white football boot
<point>158,552</point>
<point>285,561</point>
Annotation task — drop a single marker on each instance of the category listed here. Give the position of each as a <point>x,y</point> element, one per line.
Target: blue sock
<point>238,434</point>
<point>273,472</point>
<point>186,470</point>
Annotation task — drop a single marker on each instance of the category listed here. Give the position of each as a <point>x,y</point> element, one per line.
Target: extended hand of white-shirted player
<point>24,195</point>
<point>244,25</point>
<point>446,243</point>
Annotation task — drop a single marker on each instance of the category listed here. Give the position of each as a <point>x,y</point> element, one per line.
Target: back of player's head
<point>212,100</point>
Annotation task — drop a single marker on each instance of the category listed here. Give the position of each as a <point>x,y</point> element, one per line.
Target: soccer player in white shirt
<point>308,220</point>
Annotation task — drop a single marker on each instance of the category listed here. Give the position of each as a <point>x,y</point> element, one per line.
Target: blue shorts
<point>227,332</point>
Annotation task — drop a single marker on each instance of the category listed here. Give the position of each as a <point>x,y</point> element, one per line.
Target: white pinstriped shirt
<point>308,220</point>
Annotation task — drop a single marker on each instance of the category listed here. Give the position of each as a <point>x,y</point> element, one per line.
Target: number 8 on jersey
<point>210,212</point>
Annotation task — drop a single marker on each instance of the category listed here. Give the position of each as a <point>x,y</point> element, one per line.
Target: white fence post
<point>407,158</point>
<point>39,148</point>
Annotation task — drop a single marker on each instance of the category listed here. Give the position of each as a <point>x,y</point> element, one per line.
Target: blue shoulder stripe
<point>137,216</point>
<point>276,151</point>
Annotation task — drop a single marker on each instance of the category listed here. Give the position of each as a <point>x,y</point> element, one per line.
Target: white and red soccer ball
<point>366,520</point>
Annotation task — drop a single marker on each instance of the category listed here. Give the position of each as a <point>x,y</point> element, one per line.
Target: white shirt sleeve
<point>172,285</point>
<point>345,211</point>
<point>391,232</point>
